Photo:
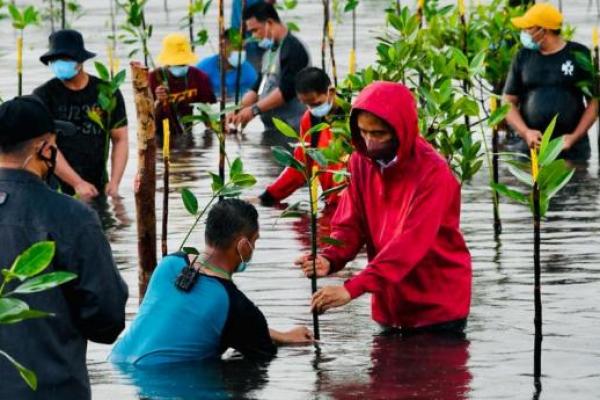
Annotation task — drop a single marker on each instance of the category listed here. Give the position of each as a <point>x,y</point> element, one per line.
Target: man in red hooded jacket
<point>403,203</point>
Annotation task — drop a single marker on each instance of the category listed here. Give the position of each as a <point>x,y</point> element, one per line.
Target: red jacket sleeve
<point>409,245</point>
<point>347,226</point>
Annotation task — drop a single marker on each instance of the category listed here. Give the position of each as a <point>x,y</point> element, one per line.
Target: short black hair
<point>312,79</point>
<point>228,219</point>
<point>16,149</point>
<point>262,12</point>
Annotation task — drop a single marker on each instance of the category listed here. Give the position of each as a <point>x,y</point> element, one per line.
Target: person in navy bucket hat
<point>66,43</point>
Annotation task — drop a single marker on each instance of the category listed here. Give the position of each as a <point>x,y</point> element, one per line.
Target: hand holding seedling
<point>533,138</point>
<point>161,94</point>
<point>329,297</point>
<point>305,262</point>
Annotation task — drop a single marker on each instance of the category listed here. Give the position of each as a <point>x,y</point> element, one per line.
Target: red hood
<point>393,103</point>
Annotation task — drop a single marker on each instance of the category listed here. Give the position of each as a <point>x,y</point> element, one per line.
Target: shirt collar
<point>18,175</point>
<point>383,165</point>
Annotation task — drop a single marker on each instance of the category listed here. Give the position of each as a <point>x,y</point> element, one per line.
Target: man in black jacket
<point>92,307</point>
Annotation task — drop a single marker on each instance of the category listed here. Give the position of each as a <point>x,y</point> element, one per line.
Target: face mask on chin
<point>234,56</point>
<point>383,151</point>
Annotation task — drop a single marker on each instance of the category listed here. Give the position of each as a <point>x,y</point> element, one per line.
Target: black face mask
<point>385,151</point>
<point>50,161</point>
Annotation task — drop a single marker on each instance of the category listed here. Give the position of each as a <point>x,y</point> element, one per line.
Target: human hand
<point>329,297</point>
<point>85,190</point>
<point>161,94</point>
<point>568,141</point>
<point>305,262</point>
<point>299,335</point>
<point>111,189</point>
<point>244,116</point>
<point>533,138</point>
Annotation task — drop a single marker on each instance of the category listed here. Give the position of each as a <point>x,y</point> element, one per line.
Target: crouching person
<point>195,312</point>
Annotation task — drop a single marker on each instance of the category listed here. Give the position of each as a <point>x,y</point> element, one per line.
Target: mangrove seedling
<point>200,8</point>
<point>21,19</point>
<point>22,278</point>
<point>135,31</point>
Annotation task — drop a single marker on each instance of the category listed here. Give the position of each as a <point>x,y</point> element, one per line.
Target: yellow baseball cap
<point>176,50</point>
<point>544,15</point>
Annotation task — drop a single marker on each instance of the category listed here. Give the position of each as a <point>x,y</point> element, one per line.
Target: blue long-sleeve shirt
<point>210,66</point>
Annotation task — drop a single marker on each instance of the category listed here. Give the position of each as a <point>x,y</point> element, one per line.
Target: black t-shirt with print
<point>86,148</point>
<point>548,85</point>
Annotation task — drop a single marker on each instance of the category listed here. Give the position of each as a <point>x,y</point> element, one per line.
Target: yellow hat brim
<point>167,59</point>
<point>522,22</point>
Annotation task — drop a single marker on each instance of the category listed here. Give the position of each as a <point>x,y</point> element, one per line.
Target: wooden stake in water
<point>495,173</point>
<point>238,71</point>
<point>166,159</point>
<point>537,293</point>
<point>146,169</point>
<point>314,187</point>
<point>463,23</point>
<point>596,72</point>
<point>191,23</point>
<point>352,61</point>
<point>330,39</point>
<point>222,66</point>
<point>20,63</point>
<point>325,34</point>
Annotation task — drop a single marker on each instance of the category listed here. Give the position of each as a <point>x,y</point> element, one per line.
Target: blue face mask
<point>233,58</point>
<point>179,71</point>
<point>243,263</point>
<point>528,42</point>
<point>266,44</point>
<point>322,110</point>
<point>64,69</point>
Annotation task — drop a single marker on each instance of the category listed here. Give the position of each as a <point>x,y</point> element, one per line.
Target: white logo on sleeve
<point>568,68</point>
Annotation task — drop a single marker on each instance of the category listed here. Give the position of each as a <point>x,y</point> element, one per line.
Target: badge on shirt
<point>568,68</point>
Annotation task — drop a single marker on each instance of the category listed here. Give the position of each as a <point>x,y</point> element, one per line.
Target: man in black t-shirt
<point>84,150</point>
<point>545,80</point>
<point>273,94</point>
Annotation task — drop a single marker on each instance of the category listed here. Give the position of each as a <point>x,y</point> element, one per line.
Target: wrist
<point>255,109</point>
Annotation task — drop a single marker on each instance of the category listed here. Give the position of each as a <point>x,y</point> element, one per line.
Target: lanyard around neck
<point>218,271</point>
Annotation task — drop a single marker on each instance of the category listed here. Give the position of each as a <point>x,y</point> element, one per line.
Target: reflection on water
<point>496,362</point>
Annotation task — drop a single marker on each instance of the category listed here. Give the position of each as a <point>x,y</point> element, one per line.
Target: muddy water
<point>496,359</point>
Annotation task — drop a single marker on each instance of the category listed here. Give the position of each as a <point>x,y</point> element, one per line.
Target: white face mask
<point>234,58</point>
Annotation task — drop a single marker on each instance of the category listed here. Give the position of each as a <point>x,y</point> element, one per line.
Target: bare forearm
<point>273,100</point>
<point>249,98</point>
<point>587,120</point>
<point>278,337</point>
<point>120,154</point>
<point>514,118</point>
<point>65,172</point>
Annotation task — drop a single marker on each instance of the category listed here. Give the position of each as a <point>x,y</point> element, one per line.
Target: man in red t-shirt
<point>177,84</point>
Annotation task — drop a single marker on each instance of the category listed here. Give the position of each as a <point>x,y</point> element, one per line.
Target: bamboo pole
<point>63,14</point>
<point>325,34</point>
<point>596,77</point>
<point>463,23</point>
<point>145,196</point>
<point>352,61</point>
<point>191,23</point>
<point>144,40</point>
<point>51,6</point>
<point>420,7</point>
<point>495,173</point>
<point>238,72</point>
<point>222,61</point>
<point>112,48</point>
<point>20,63</point>
<point>537,295</point>
<point>166,159</point>
<point>330,39</point>
<point>313,192</point>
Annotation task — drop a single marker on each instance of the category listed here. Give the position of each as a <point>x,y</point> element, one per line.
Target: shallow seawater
<point>354,361</point>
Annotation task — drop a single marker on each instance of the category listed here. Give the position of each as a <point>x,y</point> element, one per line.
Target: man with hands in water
<point>403,203</point>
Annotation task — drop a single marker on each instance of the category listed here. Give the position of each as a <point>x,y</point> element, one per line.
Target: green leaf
<point>190,201</point>
<point>551,151</point>
<point>521,175</point>
<point>285,129</point>
<point>293,27</point>
<point>236,168</point>
<point>510,193</point>
<point>244,180</point>
<point>231,191</point>
<point>498,115</point>
<point>191,250</point>
<point>285,158</point>
<point>317,128</point>
<point>554,177</point>
<point>10,307</point>
<point>34,260</point>
<point>102,71</point>
<point>331,241</point>
<point>25,315</point>
<point>45,282</point>
<point>332,190</point>
<point>15,14</point>
<point>317,156</point>
<point>547,136</point>
<point>27,374</point>
<point>217,182</point>
<point>95,118</point>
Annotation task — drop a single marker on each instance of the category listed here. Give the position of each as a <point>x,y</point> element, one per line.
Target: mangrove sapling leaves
<point>236,168</point>
<point>217,182</point>
<point>24,316</point>
<point>286,159</point>
<point>244,180</point>
<point>350,5</point>
<point>554,177</point>
<point>509,192</point>
<point>552,151</point>
<point>190,201</point>
<point>522,176</point>
<point>95,117</point>
<point>27,374</point>
<point>293,27</point>
<point>45,282</point>
<point>498,115</point>
<point>547,136</point>
<point>102,71</point>
<point>10,307</point>
<point>231,191</point>
<point>331,241</point>
<point>333,190</point>
<point>317,156</point>
<point>33,260</point>
<point>285,129</point>
<point>316,128</point>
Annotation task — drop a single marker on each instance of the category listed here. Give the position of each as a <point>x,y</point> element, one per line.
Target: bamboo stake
<point>51,5</point>
<point>20,63</point>
<point>238,72</point>
<point>330,38</point>
<point>325,34</point>
<point>352,61</point>
<point>63,16</point>
<point>314,183</point>
<point>191,23</point>
<point>420,7</point>
<point>463,23</point>
<point>222,61</point>
<point>495,174</point>
<point>596,72</point>
<point>166,159</point>
<point>113,40</point>
<point>145,196</point>
<point>537,362</point>
<point>144,40</point>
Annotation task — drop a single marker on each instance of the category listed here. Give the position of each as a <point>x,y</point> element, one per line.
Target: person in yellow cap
<point>177,84</point>
<point>546,79</point>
